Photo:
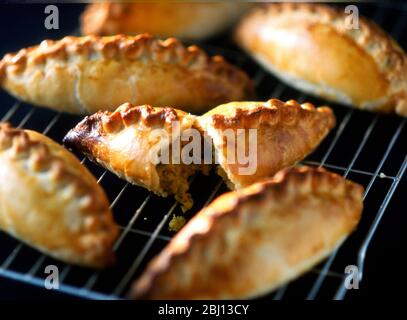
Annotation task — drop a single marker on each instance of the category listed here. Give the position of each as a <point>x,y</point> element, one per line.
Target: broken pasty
<point>247,243</point>
<point>317,49</point>
<point>87,74</point>
<point>49,200</point>
<point>254,140</point>
<point>193,21</point>
<point>138,143</point>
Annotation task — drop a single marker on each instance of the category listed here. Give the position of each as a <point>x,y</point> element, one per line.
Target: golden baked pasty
<point>87,74</point>
<point>49,200</point>
<point>315,48</point>
<point>124,142</point>
<point>193,21</point>
<point>285,133</point>
<point>247,243</point>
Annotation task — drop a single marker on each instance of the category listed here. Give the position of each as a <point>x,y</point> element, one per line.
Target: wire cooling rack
<point>365,147</point>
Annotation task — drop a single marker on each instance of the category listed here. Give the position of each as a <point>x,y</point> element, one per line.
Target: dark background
<point>22,25</point>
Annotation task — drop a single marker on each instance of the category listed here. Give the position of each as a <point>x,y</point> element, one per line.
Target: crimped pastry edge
<point>272,112</point>
<point>126,115</point>
<point>139,47</point>
<point>298,180</point>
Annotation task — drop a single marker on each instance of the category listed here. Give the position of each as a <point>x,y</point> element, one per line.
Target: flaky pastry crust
<point>314,48</point>
<point>83,75</point>
<point>247,243</point>
<point>49,200</point>
<point>286,133</point>
<point>193,21</point>
<point>122,142</point>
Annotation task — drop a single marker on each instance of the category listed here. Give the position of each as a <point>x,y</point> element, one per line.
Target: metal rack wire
<point>143,217</point>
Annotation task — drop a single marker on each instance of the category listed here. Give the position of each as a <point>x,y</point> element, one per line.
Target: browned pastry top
<point>129,141</point>
<point>83,75</point>
<point>59,192</point>
<point>368,39</point>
